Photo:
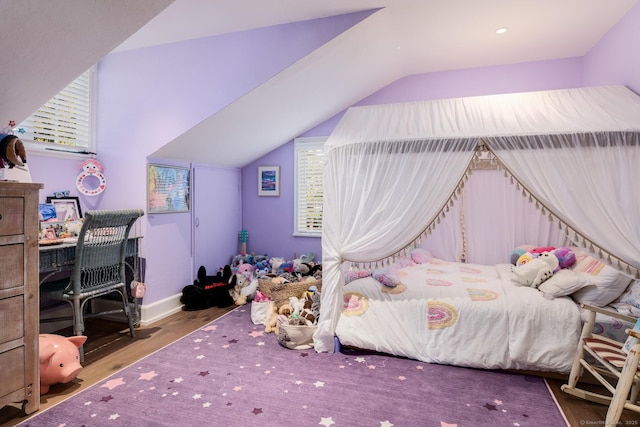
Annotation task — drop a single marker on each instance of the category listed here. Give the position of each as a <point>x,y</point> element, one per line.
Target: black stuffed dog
<point>209,291</point>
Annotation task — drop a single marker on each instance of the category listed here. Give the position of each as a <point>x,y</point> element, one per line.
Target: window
<point>65,122</point>
<point>308,186</point>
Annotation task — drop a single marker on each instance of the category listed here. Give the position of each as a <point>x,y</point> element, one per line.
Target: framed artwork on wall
<point>67,208</point>
<point>168,189</point>
<point>268,180</point>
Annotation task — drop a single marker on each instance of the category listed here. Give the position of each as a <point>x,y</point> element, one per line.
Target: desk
<point>56,262</point>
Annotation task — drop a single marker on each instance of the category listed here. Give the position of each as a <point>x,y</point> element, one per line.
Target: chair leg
<point>622,388</point>
<point>576,368</point>
<point>127,312</point>
<point>78,323</point>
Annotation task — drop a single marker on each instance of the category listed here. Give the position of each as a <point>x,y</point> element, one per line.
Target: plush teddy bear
<point>237,292</point>
<point>272,324</point>
<point>536,271</point>
<point>285,309</point>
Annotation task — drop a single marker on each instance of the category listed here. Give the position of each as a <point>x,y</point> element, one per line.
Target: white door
<point>217,216</point>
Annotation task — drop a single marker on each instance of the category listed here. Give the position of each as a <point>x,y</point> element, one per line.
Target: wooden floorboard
<point>110,349</point>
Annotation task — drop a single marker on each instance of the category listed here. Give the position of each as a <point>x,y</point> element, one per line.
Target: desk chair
<point>616,370</point>
<point>99,266</point>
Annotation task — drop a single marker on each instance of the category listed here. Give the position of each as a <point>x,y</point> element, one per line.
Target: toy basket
<point>296,337</point>
<point>280,292</point>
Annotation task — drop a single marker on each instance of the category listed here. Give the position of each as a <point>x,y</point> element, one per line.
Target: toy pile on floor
<point>222,290</point>
<point>287,300</point>
<point>304,311</point>
<point>238,282</point>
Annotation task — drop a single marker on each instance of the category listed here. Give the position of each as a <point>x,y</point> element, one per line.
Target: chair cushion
<point>610,350</point>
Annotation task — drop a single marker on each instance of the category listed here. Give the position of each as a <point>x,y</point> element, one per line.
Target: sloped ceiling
<point>403,38</point>
<point>46,44</point>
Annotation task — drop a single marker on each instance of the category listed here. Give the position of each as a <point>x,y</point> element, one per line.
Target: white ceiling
<point>404,37</point>
<point>46,44</point>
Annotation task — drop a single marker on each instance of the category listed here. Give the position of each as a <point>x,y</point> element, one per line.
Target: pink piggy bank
<point>59,359</point>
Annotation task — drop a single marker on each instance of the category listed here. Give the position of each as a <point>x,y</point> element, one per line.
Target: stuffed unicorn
<point>536,271</point>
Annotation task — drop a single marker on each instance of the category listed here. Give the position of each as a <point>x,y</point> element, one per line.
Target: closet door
<point>217,216</point>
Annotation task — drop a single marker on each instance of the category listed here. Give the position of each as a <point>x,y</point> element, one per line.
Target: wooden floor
<point>110,349</point>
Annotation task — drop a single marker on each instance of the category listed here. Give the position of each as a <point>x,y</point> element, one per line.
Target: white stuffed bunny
<point>536,271</point>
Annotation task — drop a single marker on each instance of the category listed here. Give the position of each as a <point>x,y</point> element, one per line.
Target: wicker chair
<point>99,266</point>
<point>616,370</point>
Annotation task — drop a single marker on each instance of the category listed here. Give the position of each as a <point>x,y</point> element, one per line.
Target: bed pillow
<point>350,276</point>
<point>564,282</point>
<point>385,277</point>
<point>421,256</point>
<point>629,302</point>
<point>608,283</point>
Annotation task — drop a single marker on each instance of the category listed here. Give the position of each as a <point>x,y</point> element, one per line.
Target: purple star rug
<point>230,373</point>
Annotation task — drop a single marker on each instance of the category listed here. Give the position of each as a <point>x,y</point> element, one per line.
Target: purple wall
<point>148,97</point>
<point>614,60</point>
<point>616,57</point>
<point>269,220</point>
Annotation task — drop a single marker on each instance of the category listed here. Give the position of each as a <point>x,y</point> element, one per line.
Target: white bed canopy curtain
<point>393,171</point>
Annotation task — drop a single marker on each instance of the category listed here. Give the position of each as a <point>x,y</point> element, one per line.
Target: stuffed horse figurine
<point>12,151</point>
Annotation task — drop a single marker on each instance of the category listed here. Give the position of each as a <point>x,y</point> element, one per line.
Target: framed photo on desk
<point>67,208</point>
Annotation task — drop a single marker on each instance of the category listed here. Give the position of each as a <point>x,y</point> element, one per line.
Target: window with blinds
<point>65,121</point>
<point>308,186</point>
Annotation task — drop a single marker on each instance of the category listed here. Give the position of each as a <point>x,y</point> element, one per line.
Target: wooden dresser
<point>19,296</point>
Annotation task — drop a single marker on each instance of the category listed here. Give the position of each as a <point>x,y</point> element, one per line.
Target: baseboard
<point>150,313</point>
<point>62,310</point>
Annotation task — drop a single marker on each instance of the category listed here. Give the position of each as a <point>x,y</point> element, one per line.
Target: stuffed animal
<point>308,258</point>
<point>566,257</point>
<point>272,321</point>
<point>285,267</point>
<point>284,313</point>
<point>285,309</point>
<point>260,297</point>
<point>246,270</point>
<point>209,291</point>
<point>12,151</point>
<point>300,267</point>
<point>261,269</point>
<point>236,292</point>
<point>275,263</point>
<point>311,310</point>
<point>297,304</point>
<point>536,271</point>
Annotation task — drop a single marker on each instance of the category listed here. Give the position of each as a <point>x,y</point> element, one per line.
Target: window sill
<point>59,151</point>
<point>300,234</point>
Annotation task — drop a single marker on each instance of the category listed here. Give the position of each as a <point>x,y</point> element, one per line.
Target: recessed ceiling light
<point>501,30</point>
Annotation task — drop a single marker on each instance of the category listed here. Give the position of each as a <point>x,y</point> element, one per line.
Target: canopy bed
<point>393,181</point>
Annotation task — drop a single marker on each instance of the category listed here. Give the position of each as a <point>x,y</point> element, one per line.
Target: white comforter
<point>461,314</point>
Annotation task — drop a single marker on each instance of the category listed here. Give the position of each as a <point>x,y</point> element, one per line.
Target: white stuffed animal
<point>536,271</point>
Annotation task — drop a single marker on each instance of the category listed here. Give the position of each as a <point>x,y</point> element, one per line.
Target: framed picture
<point>268,180</point>
<point>67,208</point>
<point>168,189</point>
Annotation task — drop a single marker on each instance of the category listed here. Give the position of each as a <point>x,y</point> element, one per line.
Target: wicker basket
<point>280,292</point>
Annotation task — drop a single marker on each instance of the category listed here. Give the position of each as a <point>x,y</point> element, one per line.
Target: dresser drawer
<point>12,262</point>
<point>11,319</point>
<point>11,216</point>
<point>13,377</point>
